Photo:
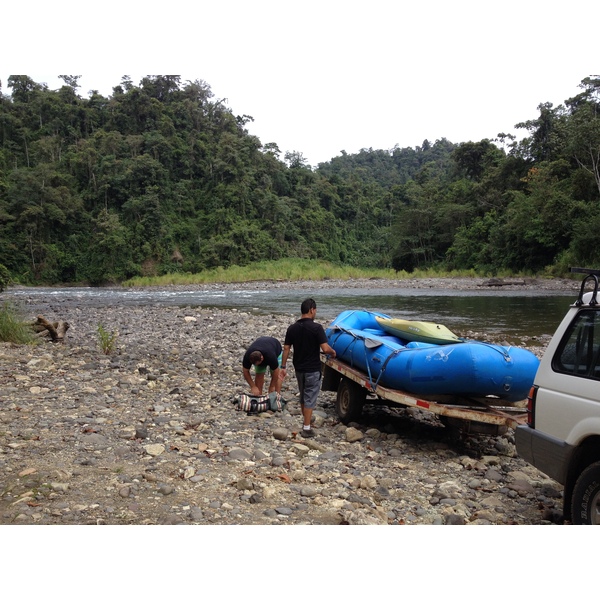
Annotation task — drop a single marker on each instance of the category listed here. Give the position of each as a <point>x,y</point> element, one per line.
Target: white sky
<point>319,77</point>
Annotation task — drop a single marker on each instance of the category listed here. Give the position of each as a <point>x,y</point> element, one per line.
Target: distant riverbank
<point>455,283</point>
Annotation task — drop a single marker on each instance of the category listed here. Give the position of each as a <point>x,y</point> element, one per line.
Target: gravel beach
<point>149,435</point>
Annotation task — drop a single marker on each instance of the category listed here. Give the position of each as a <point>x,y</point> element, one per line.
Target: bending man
<point>262,353</point>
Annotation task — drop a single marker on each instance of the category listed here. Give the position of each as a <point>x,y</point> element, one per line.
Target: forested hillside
<point>162,177</point>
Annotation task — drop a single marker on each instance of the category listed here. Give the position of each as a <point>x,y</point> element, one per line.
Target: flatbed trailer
<point>487,416</point>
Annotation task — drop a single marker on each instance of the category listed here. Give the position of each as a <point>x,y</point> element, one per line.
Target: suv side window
<point>579,351</point>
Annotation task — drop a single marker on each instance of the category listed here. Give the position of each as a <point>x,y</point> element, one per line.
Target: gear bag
<point>256,404</point>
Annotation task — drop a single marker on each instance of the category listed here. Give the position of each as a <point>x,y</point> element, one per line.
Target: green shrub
<point>4,277</point>
<point>107,340</point>
<point>12,327</point>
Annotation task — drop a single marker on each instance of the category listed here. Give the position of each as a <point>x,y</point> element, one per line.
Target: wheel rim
<point>344,401</point>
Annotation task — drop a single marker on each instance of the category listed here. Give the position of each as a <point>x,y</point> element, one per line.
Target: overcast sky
<point>319,77</point>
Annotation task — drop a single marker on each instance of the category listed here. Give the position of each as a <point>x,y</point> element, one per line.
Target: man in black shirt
<point>262,353</point>
<point>308,339</point>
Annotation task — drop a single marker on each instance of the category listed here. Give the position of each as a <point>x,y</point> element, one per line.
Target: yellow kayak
<point>418,331</point>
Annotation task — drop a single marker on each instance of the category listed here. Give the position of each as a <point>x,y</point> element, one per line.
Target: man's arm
<point>248,377</point>
<point>284,359</point>
<point>327,349</point>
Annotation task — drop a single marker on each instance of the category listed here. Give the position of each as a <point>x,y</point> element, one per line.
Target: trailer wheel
<point>585,505</point>
<point>350,400</point>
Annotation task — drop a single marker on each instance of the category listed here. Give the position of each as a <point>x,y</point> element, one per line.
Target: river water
<point>510,312</point>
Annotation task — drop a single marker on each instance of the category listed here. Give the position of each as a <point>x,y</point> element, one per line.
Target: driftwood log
<point>495,282</point>
<point>55,331</point>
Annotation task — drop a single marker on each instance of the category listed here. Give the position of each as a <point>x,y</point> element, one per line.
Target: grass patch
<point>287,269</point>
<point>12,326</point>
<point>107,340</point>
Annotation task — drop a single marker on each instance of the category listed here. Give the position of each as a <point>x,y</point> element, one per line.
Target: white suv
<point>562,437</point>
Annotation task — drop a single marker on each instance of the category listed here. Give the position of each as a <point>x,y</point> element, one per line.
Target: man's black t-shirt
<point>306,337</point>
<point>269,347</point>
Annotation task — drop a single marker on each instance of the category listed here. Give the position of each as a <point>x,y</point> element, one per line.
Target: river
<point>510,312</point>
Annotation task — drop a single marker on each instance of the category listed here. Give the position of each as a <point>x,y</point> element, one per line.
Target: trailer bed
<point>474,415</point>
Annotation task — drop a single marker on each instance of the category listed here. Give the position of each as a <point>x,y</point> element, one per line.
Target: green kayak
<point>418,331</point>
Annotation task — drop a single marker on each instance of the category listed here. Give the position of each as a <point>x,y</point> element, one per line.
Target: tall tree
<point>584,128</point>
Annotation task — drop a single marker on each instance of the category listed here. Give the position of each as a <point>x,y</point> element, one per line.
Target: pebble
<point>149,435</point>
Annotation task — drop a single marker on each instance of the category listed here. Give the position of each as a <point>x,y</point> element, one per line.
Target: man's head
<point>256,357</point>
<point>308,306</point>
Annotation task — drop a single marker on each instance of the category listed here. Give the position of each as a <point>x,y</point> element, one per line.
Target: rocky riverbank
<point>148,435</point>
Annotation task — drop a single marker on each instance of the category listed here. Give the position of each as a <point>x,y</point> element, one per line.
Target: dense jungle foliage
<point>161,177</point>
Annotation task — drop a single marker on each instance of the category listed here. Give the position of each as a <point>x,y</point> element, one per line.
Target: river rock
<point>353,434</point>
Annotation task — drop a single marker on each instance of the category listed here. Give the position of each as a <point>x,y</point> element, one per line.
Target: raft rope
<point>496,347</point>
<point>340,331</point>
<point>395,352</point>
<point>355,338</point>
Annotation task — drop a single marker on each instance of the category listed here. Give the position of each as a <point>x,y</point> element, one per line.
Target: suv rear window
<point>579,352</point>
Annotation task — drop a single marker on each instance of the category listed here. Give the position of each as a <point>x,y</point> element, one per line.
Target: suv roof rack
<point>592,274</point>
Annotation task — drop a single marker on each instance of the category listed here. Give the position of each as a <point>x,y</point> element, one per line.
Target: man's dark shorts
<point>309,385</point>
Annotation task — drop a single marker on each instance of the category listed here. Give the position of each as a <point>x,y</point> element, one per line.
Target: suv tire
<point>585,506</point>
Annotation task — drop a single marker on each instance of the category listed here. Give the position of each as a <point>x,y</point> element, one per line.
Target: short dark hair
<point>307,305</point>
<point>255,357</point>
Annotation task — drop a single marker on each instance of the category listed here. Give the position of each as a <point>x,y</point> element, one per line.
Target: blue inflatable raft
<point>469,369</point>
